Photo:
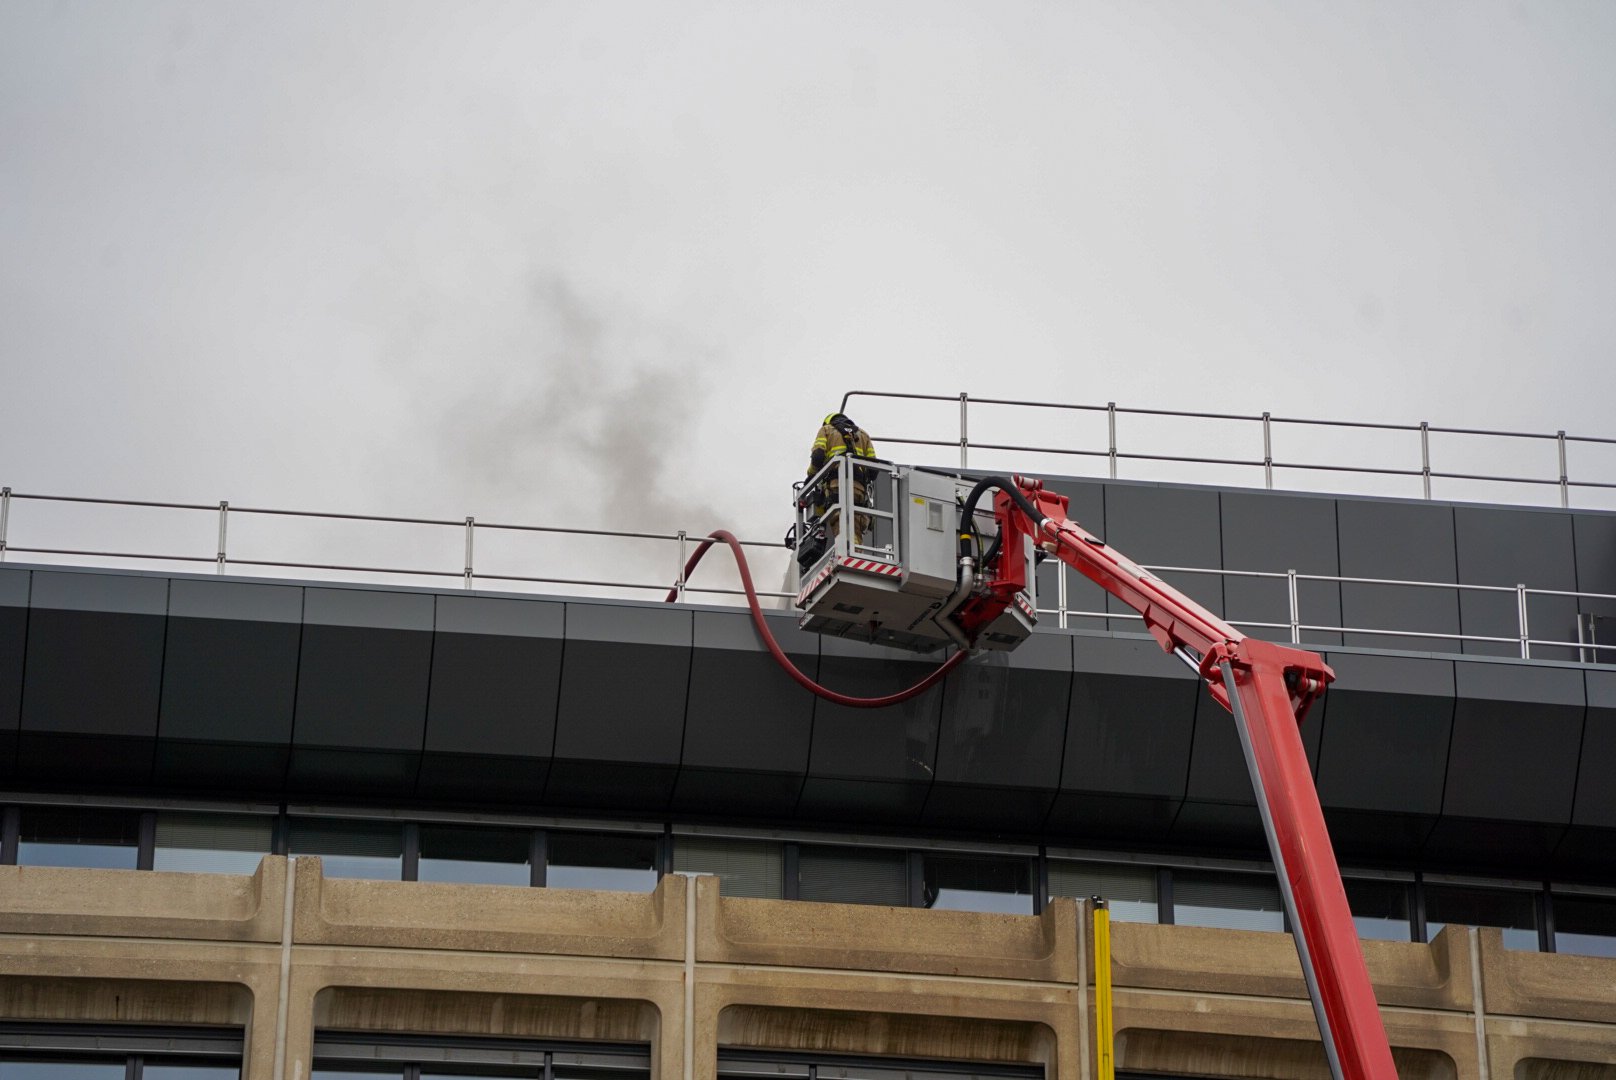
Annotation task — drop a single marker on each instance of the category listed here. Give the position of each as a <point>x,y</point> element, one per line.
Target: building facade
<point>288,829</point>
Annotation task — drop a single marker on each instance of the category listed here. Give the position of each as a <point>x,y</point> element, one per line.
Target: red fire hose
<point>779,654</point>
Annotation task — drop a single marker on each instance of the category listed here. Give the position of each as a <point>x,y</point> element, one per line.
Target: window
<point>365,1056</point>
<point>1513,910</point>
<point>815,1065</point>
<point>351,849</point>
<point>744,867</point>
<point>1585,924</point>
<point>212,843</point>
<point>620,862</point>
<point>959,883</point>
<point>466,855</point>
<point>849,875</point>
<point>51,836</point>
<point>1129,891</point>
<point>1231,900</point>
<point>46,1051</point>
<point>1379,909</point>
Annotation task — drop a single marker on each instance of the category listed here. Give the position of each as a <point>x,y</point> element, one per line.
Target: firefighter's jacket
<point>830,442</point>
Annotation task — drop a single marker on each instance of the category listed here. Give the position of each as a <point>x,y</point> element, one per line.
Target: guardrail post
<point>1296,607</point>
<point>1267,453</point>
<point>471,525</point>
<point>679,581</point>
<point>1520,607</point>
<point>1111,423</point>
<point>224,520</point>
<point>1565,484</point>
<point>964,438</point>
<point>1060,590</point>
<point>5,518</point>
<point>1425,456</point>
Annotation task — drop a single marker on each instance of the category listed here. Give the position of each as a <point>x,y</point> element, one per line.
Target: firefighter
<point>838,435</point>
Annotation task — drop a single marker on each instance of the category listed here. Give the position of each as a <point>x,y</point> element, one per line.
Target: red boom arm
<point>1268,688</point>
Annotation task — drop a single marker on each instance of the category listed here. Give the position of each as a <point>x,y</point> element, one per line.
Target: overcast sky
<point>495,259</point>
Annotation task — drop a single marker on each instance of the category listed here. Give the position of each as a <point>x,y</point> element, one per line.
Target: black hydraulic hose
<point>1010,488</point>
<point>724,536</point>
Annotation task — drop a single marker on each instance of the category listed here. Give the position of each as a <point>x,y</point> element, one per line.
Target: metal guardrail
<point>1293,628</point>
<point>1587,651</point>
<point>1267,422</point>
<point>221,560</point>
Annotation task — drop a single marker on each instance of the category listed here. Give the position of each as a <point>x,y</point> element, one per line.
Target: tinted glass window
<point>957,883</point>
<point>625,863</point>
<point>1585,924</point>
<point>744,867</point>
<point>351,849</point>
<point>187,1071</point>
<point>1379,909</point>
<point>844,875</point>
<point>1233,901</point>
<point>1130,891</point>
<point>474,856</point>
<point>1514,911</point>
<point>212,843</point>
<point>72,837</point>
<point>11,1069</point>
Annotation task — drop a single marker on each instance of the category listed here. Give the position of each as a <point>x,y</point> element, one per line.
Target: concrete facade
<point>287,952</point>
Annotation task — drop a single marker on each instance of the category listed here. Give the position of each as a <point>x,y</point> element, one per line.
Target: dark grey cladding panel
<point>1086,506</point>
<point>362,689</point>
<point>496,676</point>
<point>1002,735</point>
<point>727,792</point>
<point>1596,773</point>
<point>1273,533</point>
<point>235,601</point>
<point>92,675</point>
<point>13,587</point>
<point>502,616</point>
<point>1494,847</point>
<point>94,655</point>
<point>491,705</point>
<point>1129,732</point>
<point>125,594</point>
<point>1595,536</point>
<point>1220,807</point>
<point>625,674</point>
<point>1166,526</point>
<point>632,624</point>
<point>837,799</point>
<point>1402,541</point>
<point>748,723</point>
<point>1131,719</point>
<point>1517,734</point>
<point>1387,724</point>
<point>1498,546</point>
<point>880,760</point>
<point>13,643</point>
<point>735,630</point>
<point>368,609</point>
<point>1585,853</point>
<point>1378,838</point>
<point>230,662</point>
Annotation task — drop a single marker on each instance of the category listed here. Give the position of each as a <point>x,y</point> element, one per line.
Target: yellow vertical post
<point>1103,1038</point>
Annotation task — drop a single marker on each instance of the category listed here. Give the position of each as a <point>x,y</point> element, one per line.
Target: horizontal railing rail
<point>1115,454</point>
<point>221,560</point>
<point>1522,641</point>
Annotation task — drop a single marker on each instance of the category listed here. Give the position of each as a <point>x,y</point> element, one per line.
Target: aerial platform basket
<point>890,577</point>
